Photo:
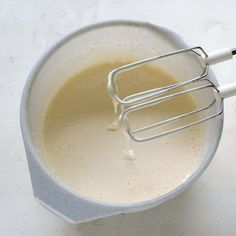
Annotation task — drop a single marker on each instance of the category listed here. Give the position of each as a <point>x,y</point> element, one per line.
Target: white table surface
<point>27,28</point>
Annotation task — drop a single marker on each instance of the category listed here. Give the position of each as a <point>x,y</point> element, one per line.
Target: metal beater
<point>155,96</point>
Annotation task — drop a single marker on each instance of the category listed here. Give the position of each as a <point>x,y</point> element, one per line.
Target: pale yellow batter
<point>86,152</point>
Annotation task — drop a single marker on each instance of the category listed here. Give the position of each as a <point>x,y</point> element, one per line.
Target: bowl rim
<point>26,131</point>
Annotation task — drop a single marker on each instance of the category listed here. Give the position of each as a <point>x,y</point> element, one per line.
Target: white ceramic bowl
<point>114,39</point>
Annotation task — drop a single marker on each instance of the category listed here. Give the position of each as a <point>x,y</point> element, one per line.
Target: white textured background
<point>27,28</point>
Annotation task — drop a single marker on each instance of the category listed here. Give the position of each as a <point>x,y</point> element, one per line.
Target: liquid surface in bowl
<point>84,153</point>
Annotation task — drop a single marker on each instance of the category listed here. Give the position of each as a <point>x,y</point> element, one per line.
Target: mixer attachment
<point>154,97</point>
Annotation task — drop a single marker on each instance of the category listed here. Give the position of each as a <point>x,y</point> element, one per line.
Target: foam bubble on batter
<point>114,125</point>
<point>129,154</point>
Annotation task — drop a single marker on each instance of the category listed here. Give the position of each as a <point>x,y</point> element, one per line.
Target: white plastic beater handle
<point>227,91</point>
<point>225,54</point>
<point>219,56</point>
